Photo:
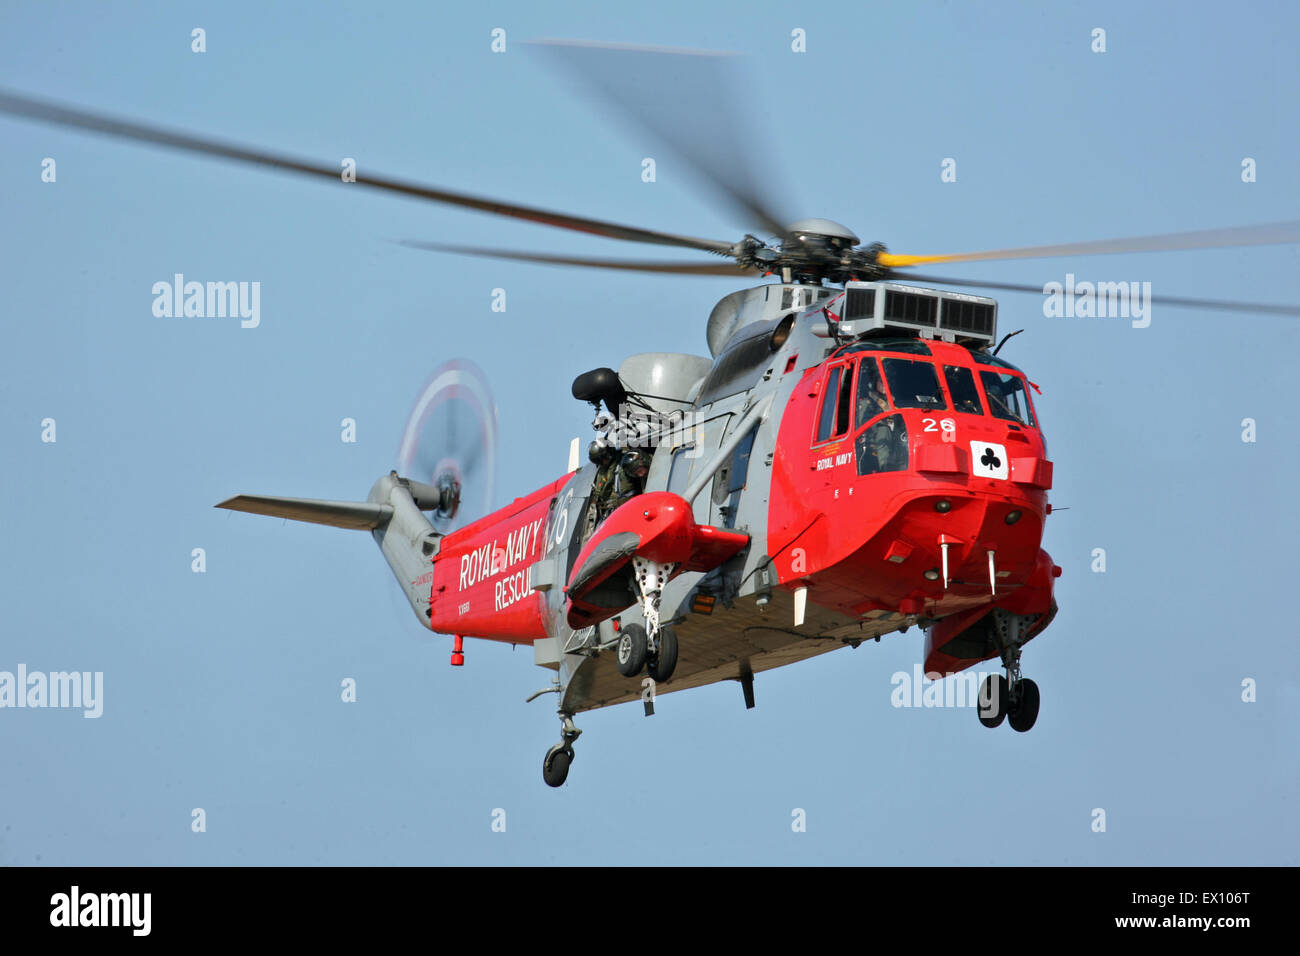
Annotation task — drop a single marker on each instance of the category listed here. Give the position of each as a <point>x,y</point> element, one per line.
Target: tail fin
<point>393,516</point>
<point>355,515</point>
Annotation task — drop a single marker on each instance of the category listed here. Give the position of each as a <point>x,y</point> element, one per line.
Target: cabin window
<point>836,404</point>
<point>1007,397</point>
<point>730,479</point>
<point>827,420</point>
<point>680,470</point>
<point>961,386</point>
<point>914,384</point>
<point>871,391</point>
<point>843,404</point>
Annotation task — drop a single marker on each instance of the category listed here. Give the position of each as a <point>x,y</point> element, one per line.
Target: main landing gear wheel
<point>664,661</point>
<point>633,649</point>
<point>659,642</point>
<point>994,700</point>
<point>1023,711</point>
<point>555,768</point>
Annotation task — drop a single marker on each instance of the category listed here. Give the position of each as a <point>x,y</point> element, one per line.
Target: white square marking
<point>989,460</point>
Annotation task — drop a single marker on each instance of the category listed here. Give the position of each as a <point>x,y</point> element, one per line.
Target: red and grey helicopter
<point>851,459</point>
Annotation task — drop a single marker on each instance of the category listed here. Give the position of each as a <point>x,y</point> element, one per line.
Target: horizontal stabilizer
<point>357,515</point>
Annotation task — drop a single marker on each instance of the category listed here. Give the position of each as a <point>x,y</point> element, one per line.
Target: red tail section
<point>481,576</point>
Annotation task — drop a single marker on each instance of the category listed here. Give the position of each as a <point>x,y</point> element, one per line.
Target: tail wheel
<point>1024,710</point>
<point>664,662</point>
<point>555,768</point>
<point>995,696</point>
<point>632,650</point>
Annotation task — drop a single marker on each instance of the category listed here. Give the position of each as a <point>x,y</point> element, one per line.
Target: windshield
<point>1007,397</point>
<point>961,385</point>
<point>913,384</point>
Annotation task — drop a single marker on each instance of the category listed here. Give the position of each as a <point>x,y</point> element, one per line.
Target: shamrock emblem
<point>990,460</point>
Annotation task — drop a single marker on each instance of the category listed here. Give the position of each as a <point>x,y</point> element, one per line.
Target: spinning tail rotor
<point>449,444</point>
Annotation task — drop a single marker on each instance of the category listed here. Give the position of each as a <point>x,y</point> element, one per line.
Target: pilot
<point>635,465</point>
<point>602,453</point>
<point>871,400</point>
<point>876,447</point>
<point>616,483</point>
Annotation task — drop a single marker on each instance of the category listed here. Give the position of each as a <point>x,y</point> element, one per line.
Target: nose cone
<point>823,227</point>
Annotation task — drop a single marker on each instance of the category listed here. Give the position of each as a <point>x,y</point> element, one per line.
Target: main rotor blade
<point>685,100</point>
<point>673,268</point>
<point>1275,233</point>
<point>61,115</point>
<point>1212,305</point>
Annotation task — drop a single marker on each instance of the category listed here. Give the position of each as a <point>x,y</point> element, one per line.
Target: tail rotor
<point>449,445</point>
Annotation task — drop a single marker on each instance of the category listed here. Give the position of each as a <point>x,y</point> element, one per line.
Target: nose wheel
<point>1016,702</point>
<point>1023,709</point>
<point>1012,698</point>
<point>995,694</point>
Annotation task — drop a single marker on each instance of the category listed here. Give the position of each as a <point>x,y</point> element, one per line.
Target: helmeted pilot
<point>602,453</point>
<point>619,479</point>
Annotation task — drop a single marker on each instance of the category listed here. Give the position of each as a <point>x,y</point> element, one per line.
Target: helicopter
<point>852,458</point>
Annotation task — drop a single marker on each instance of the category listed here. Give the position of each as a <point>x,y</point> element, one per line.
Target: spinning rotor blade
<point>685,100</point>
<point>1212,305</point>
<point>451,433</point>
<point>1276,233</point>
<point>674,268</point>
<point>60,115</point>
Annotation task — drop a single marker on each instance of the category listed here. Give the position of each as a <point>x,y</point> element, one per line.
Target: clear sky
<point>221,689</point>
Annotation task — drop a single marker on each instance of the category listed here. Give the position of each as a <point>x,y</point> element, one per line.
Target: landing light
<point>1013,517</point>
<point>932,574</point>
<point>943,506</point>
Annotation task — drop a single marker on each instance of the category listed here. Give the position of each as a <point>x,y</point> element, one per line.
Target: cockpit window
<point>913,384</point>
<point>961,386</point>
<point>883,447</point>
<point>1007,398</point>
<point>871,392</point>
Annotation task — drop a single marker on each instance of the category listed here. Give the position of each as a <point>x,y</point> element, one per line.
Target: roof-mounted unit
<point>871,307</point>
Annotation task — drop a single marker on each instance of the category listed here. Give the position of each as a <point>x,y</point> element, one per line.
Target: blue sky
<point>221,689</point>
